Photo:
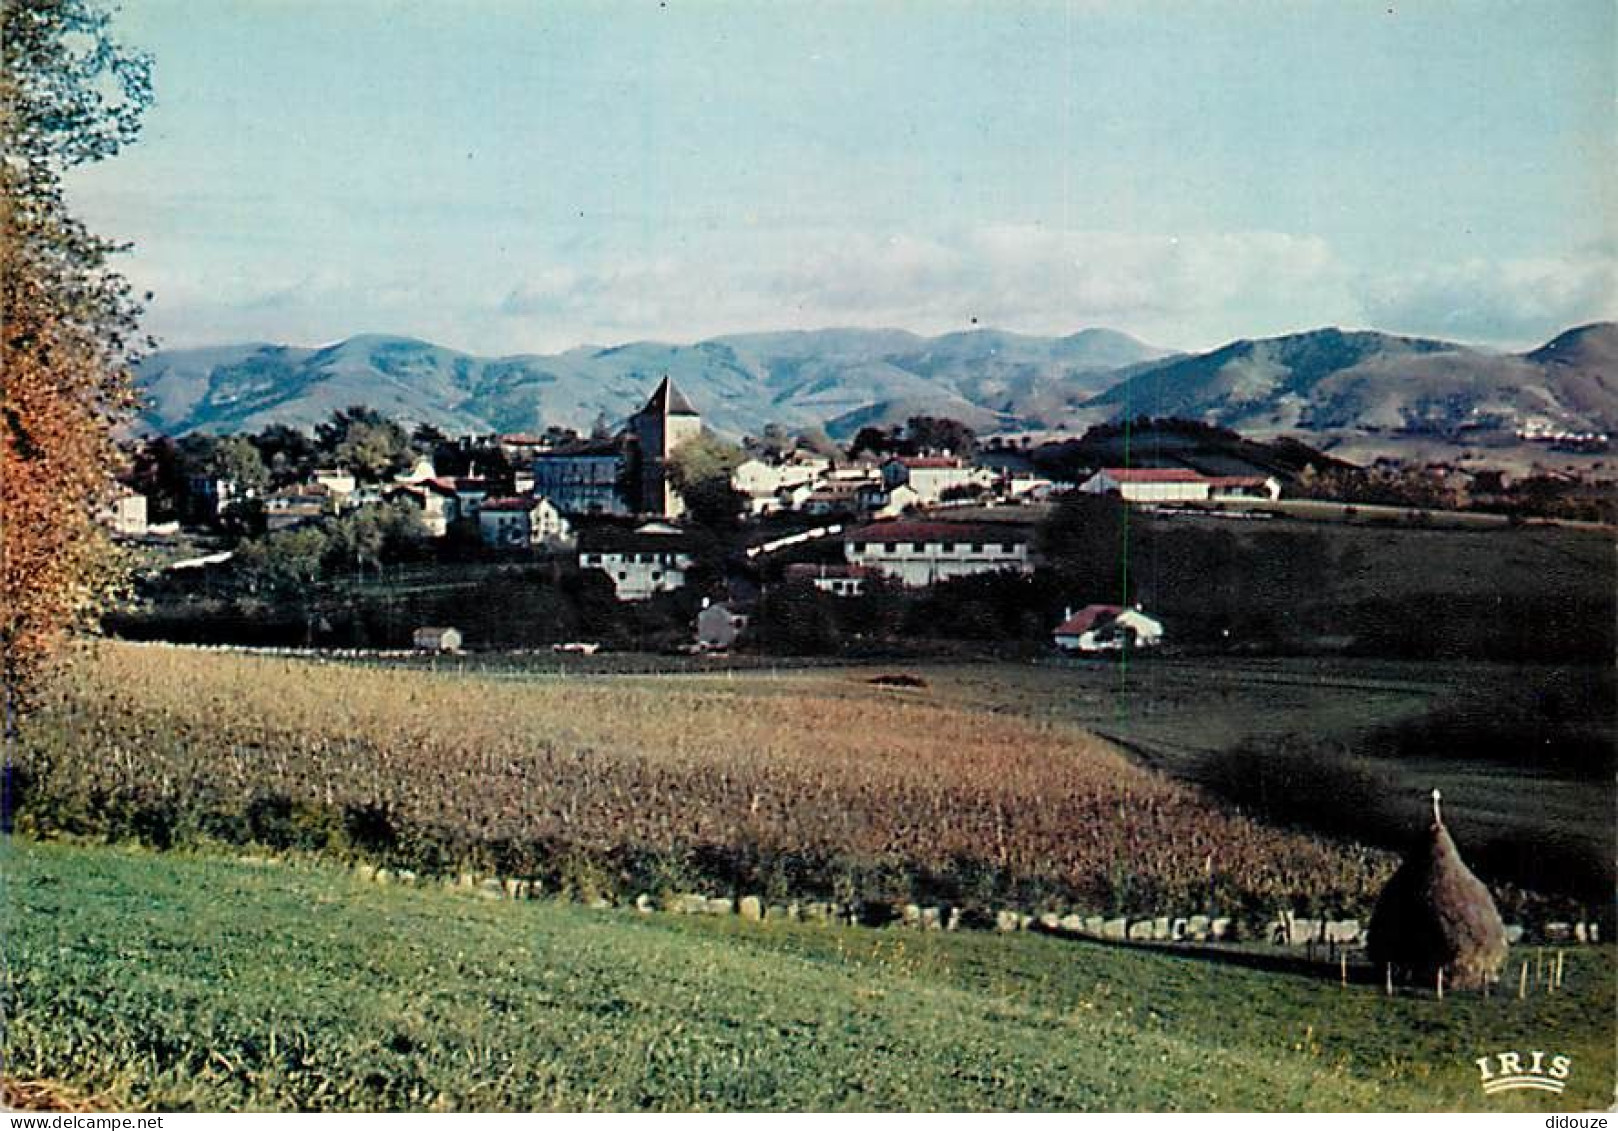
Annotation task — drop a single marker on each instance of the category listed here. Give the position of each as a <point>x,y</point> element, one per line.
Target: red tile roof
<point>1086,619</point>
<point>1154,475</point>
<point>510,503</point>
<point>937,532</point>
<point>931,462</point>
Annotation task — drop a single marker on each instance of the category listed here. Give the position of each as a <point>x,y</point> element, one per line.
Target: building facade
<point>924,553</point>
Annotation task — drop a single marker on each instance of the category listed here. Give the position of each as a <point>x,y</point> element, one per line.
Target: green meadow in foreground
<point>171,981</point>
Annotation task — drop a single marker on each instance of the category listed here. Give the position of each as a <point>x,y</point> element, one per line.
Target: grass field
<point>173,982</point>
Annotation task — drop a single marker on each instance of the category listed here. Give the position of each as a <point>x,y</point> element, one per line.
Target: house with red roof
<point>1107,628</point>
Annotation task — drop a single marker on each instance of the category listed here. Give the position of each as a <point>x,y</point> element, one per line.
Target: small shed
<point>718,625</point>
<point>430,639</point>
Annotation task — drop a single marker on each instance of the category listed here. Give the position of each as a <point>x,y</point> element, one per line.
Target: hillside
<point>146,981</point>
<point>846,378</point>
<point>1318,382</point>
<point>1332,379</point>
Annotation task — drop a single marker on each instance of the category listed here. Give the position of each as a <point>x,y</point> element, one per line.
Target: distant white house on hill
<point>1107,628</point>
<point>1178,485</point>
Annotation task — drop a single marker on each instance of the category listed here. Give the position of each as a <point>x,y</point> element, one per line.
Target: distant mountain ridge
<point>1333,379</point>
<point>844,379</point>
<point>740,382</point>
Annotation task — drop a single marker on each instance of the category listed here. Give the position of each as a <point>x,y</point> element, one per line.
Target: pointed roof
<point>667,400</point>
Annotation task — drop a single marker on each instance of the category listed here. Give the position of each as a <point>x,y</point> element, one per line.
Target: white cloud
<point>1514,302</point>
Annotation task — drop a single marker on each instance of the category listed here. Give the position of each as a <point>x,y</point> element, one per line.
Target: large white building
<point>923,553</point>
<point>1177,485</point>
<point>652,558</point>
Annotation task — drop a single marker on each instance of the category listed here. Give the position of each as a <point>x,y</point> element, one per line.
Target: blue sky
<point>506,177</point>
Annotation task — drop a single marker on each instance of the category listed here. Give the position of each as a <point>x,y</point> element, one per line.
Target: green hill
<point>178,982</point>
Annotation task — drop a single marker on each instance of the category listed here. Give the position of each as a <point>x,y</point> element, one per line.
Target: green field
<point>180,982</point>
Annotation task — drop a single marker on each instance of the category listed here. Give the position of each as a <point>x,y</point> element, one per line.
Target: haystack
<point>1436,915</point>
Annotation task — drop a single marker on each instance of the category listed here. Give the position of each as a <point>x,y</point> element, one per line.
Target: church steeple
<point>667,400</point>
<point>667,421</point>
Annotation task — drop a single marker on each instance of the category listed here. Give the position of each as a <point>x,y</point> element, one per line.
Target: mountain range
<point>843,379</point>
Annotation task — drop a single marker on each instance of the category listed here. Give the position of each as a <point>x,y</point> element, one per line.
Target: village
<point>662,508</point>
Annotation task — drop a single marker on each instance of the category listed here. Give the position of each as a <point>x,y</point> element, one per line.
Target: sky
<point>507,177</point>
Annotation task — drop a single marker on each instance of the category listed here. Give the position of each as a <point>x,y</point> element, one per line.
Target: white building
<point>923,553</point>
<point>1107,628</point>
<point>652,558</point>
<point>1177,485</point>
<point>838,580</point>
<point>521,521</point>
<point>1149,484</point>
<point>339,481</point>
<point>758,478</point>
<point>436,639</point>
<point>931,476</point>
<point>125,513</point>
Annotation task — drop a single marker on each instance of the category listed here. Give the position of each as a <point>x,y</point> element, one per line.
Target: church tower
<point>667,421</point>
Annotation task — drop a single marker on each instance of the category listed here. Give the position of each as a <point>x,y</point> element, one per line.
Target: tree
<point>69,95</point>
<point>940,434</point>
<point>366,442</point>
<point>701,459</point>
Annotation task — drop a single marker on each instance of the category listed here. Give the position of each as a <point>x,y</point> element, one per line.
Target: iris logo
<point>1512,1071</point>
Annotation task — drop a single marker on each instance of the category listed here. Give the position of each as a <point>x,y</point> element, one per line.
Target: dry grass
<point>812,767</point>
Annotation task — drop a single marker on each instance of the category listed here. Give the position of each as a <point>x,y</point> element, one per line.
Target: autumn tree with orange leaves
<point>69,95</point>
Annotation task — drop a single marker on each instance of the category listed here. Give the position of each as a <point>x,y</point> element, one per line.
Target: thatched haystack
<point>1436,915</point>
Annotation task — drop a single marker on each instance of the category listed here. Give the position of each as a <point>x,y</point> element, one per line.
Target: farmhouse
<point>1107,628</point>
<point>434,639</point>
<point>652,558</point>
<point>1149,484</point>
<point>1177,485</point>
<point>521,521</point>
<point>923,553</point>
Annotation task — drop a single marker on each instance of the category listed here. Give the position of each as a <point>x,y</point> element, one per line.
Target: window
<point>947,547</point>
<point>891,547</point>
<point>859,547</point>
<point>1008,547</point>
<point>977,547</point>
<point>920,547</point>
<point>657,575</point>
